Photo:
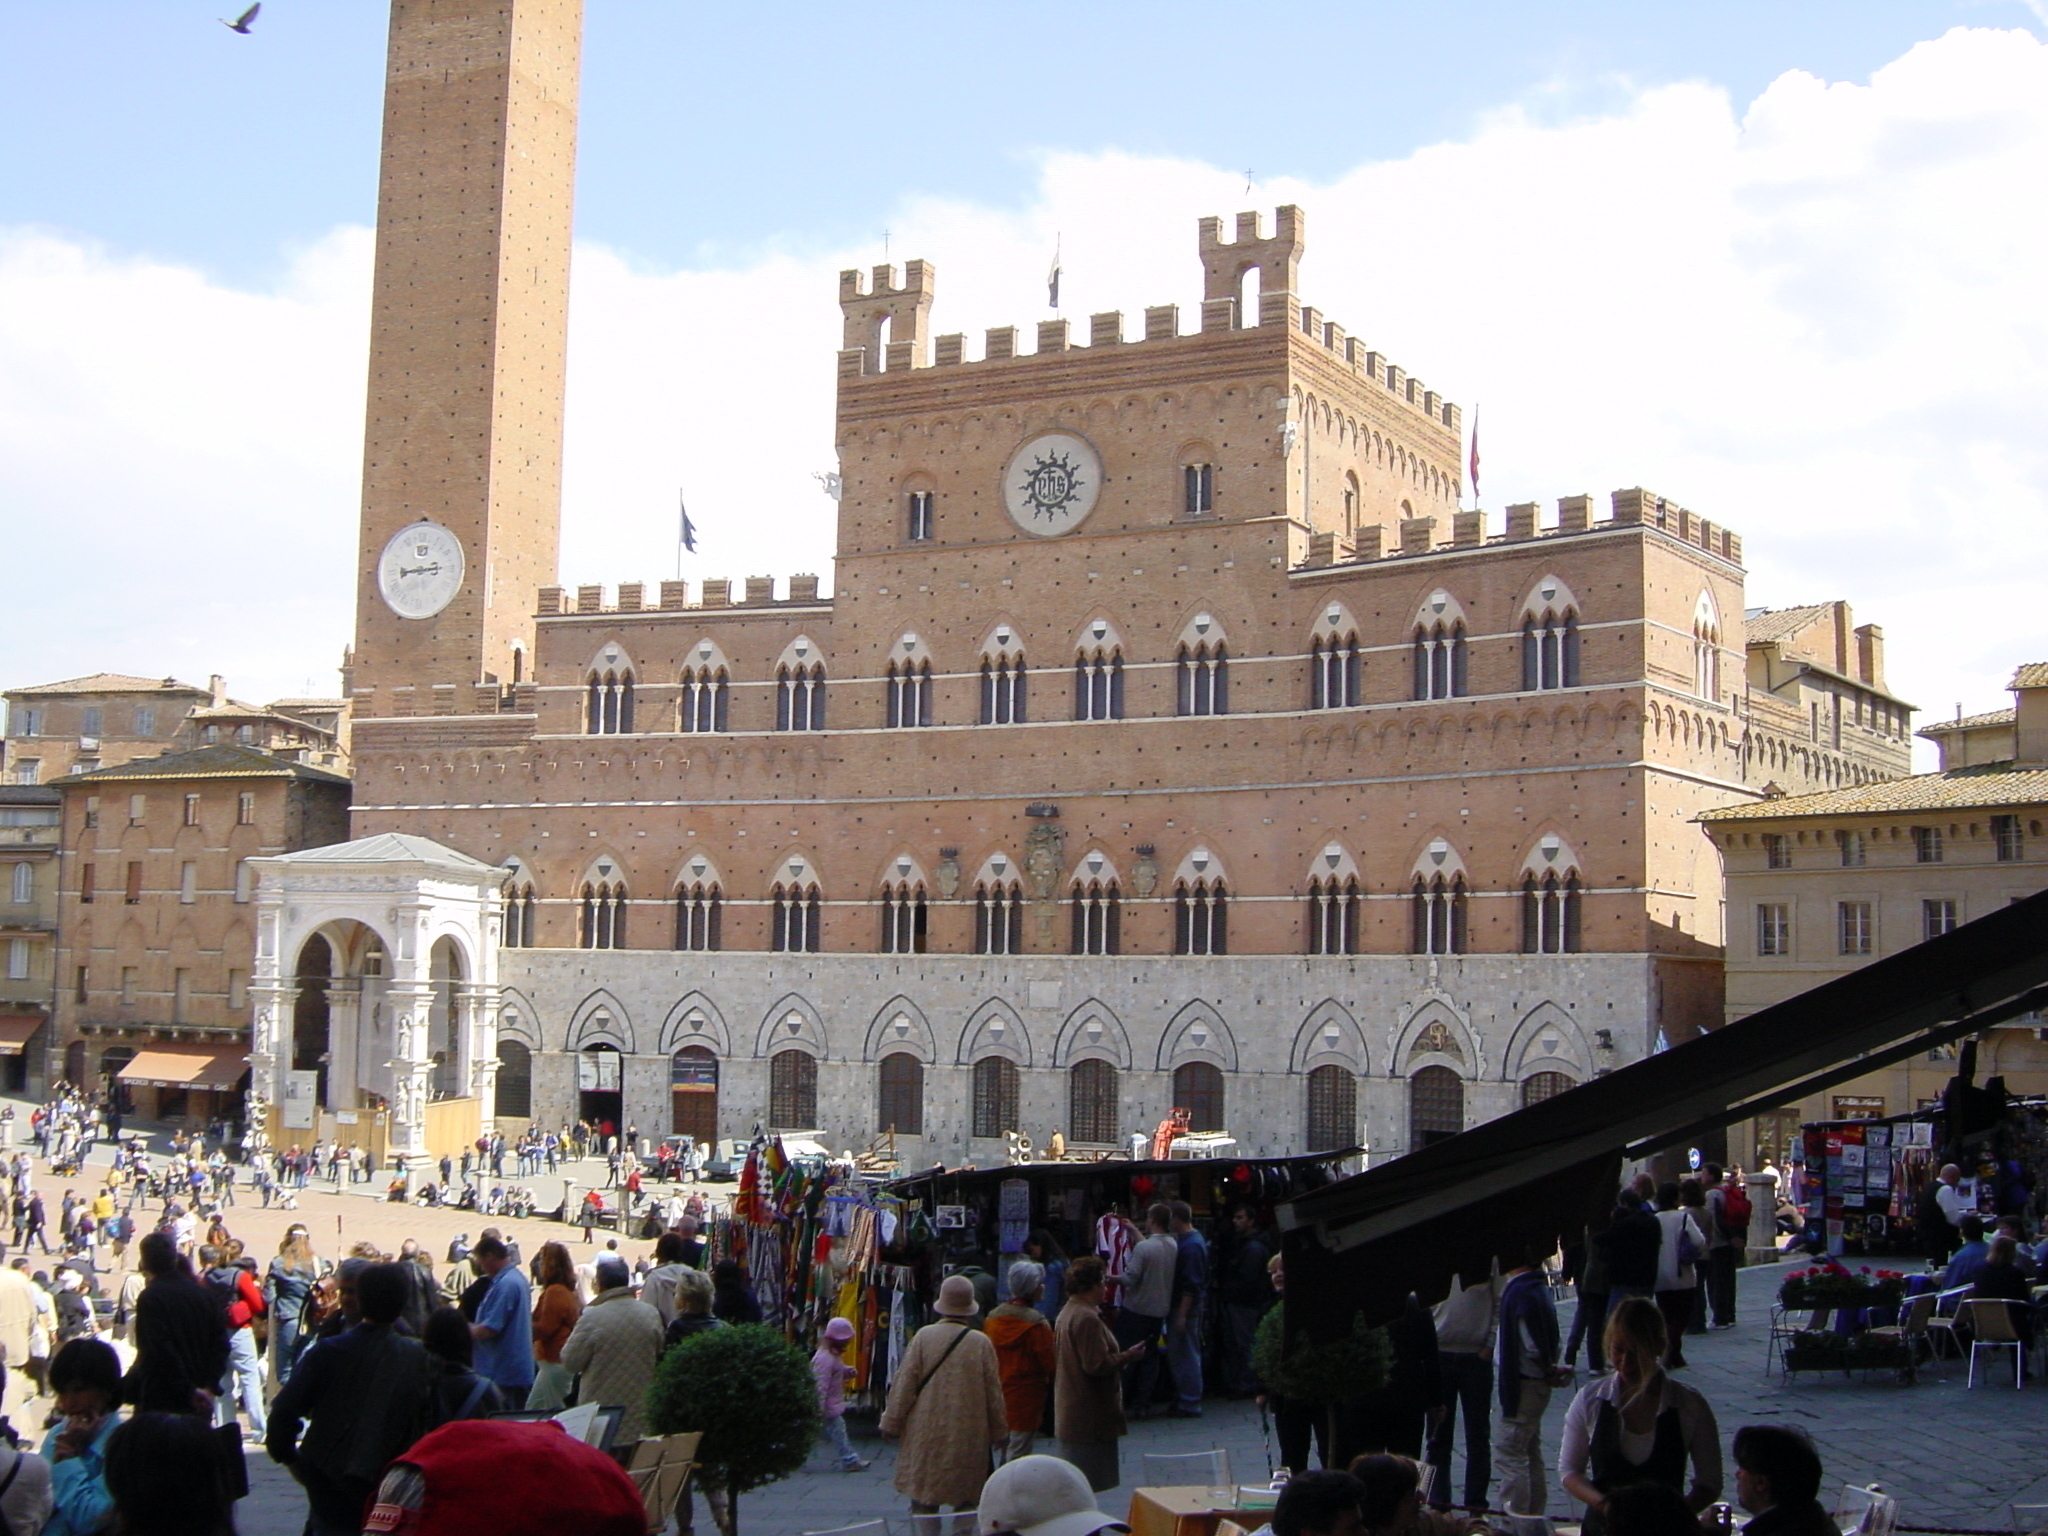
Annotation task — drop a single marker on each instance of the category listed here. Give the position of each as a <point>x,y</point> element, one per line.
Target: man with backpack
<point>1728,1213</point>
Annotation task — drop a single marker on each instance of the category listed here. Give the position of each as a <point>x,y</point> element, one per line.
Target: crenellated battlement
<point>1631,508</point>
<point>1225,263</point>
<point>674,596</point>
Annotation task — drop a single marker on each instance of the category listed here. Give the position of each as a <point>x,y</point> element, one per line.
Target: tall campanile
<point>462,450</point>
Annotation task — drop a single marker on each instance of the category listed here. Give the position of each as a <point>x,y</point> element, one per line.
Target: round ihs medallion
<point>1051,484</point>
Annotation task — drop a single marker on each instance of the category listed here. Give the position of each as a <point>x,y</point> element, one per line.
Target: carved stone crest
<point>948,875</point>
<point>1145,875</point>
<point>1043,862</point>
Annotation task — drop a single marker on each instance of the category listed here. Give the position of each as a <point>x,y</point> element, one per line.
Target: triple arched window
<point>1002,689</point>
<point>608,702</point>
<point>1440,660</point>
<point>700,911</point>
<point>1201,911</point>
<point>1333,910</point>
<point>1439,915</point>
<point>1099,684</point>
<point>705,694</point>
<point>519,915</point>
<point>1550,650</point>
<point>1202,679</point>
<point>1098,918</point>
<point>998,917</point>
<point>1550,914</point>
<point>800,697</point>
<point>903,918</point>
<point>795,926</point>
<point>602,915</point>
<point>1335,672</point>
<point>910,694</point>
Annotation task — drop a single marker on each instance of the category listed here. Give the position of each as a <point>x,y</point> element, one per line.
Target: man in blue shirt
<point>1526,1358</point>
<point>1970,1258</point>
<point>1184,1322</point>
<point>503,1329</point>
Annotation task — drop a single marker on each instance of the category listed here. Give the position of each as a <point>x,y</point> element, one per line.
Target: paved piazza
<point>1954,1457</point>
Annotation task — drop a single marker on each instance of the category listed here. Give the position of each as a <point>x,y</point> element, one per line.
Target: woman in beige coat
<point>1087,1381</point>
<point>947,1405</point>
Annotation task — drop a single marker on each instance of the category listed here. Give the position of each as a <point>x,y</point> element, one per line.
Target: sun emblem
<point>1051,485</point>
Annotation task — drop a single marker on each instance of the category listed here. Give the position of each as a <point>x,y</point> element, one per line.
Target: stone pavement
<point>1953,1457</point>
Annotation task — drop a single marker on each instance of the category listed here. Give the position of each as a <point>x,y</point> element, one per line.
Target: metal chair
<point>864,1528</point>
<point>1785,1324</point>
<point>1911,1329</point>
<point>1866,1511</point>
<point>1943,1324</point>
<point>1991,1327</point>
<point>1199,1469</point>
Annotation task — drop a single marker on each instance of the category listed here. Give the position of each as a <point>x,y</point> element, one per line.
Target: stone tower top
<point>1277,260</point>
<point>886,325</point>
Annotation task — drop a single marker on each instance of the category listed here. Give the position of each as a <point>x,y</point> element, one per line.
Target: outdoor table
<point>1187,1512</point>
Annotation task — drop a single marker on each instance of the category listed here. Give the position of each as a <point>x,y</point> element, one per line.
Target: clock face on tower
<point>420,571</point>
<point>1051,483</point>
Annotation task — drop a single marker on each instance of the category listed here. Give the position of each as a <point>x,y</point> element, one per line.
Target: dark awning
<point>1534,1176</point>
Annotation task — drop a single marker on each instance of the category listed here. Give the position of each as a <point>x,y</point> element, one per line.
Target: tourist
<point>734,1301</point>
<point>17,1328</point>
<point>1678,1252</point>
<point>1394,1415</point>
<point>554,1319</point>
<point>1464,1341</point>
<point>363,1396</point>
<point>166,1477</point>
<point>1088,1407</point>
<point>503,1324</point>
<point>1638,1424</point>
<point>1526,1354</point>
<point>1146,1296</point>
<point>1245,1289</point>
<point>671,1258</point>
<point>476,1475</point>
<point>458,1391</point>
<point>181,1347</point>
<point>612,1351</point>
<point>1044,1250</point>
<point>1392,1501</point>
<point>946,1406</point>
<point>830,1370</point>
<point>85,1377</point>
<point>242,1303</point>
<point>2000,1278</point>
<point>694,1299</point>
<point>289,1281</point>
<point>1320,1504</point>
<point>1041,1496</point>
<point>1969,1256</point>
<point>1185,1322</point>
<point>1777,1479</point>
<point>1727,1227</point>
<point>1025,1351</point>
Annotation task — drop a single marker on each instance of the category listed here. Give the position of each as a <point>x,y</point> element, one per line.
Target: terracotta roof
<point>112,682</point>
<point>1988,786</point>
<point>389,848</point>
<point>225,761</point>
<point>1989,718</point>
<point>2032,674</point>
<point>1766,625</point>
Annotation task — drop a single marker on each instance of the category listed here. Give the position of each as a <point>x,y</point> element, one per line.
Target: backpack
<point>224,1285</point>
<point>1735,1211</point>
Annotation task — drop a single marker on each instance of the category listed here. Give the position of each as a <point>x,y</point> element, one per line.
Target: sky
<point>1781,264</point>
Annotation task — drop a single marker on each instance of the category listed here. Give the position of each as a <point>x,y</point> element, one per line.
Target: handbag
<point>1689,1250</point>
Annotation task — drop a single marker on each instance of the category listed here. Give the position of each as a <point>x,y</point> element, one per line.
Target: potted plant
<point>1834,1285</point>
<point>751,1394</point>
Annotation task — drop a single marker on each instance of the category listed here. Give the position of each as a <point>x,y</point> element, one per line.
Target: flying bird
<point>241,22</point>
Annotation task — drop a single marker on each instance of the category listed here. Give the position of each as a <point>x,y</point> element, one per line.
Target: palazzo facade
<point>1170,736</point>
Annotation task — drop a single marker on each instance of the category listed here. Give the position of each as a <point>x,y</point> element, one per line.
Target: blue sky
<point>1779,263</point>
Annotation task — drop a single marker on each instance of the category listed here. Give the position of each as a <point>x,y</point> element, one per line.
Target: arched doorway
<point>693,1093</point>
<point>112,1060</point>
<point>600,1096</point>
<point>1436,1107</point>
<point>444,1046</point>
<point>514,1099</point>
<point>74,1064</point>
<point>311,1019</point>
<point>1198,1089</point>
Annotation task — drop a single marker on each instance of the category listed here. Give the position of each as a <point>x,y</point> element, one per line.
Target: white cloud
<point>1817,319</point>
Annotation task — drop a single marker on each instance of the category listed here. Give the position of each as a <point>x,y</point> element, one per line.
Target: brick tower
<point>463,441</point>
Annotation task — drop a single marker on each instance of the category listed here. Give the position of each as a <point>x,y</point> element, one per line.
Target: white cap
<point>1041,1496</point>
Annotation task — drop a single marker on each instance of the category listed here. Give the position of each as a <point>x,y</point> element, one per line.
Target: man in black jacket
<point>1630,1246</point>
<point>181,1335</point>
<point>1777,1479</point>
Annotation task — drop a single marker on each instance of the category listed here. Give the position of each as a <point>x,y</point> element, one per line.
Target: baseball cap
<point>1041,1496</point>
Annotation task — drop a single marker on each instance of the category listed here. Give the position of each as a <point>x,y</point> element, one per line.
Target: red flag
<point>1475,456</point>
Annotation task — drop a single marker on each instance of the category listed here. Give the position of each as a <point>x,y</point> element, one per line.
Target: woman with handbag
<point>293,1273</point>
<point>1684,1243</point>
<point>946,1404</point>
